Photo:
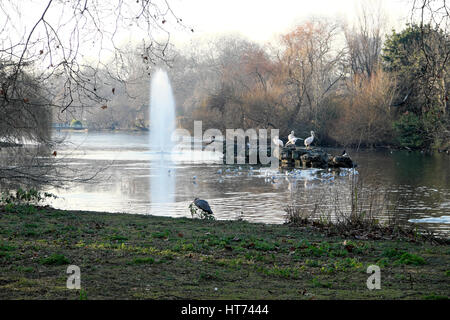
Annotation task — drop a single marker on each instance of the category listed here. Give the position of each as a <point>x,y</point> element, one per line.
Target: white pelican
<point>292,139</point>
<point>276,140</point>
<point>291,136</point>
<point>309,140</point>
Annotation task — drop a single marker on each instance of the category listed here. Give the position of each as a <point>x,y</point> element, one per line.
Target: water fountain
<point>162,125</point>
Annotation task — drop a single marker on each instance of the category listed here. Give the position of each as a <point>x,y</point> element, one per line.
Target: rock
<point>317,159</point>
<point>298,152</point>
<point>342,162</point>
<point>312,158</point>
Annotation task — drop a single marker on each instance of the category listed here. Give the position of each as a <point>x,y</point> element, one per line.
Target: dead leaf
<point>54,153</point>
<point>41,51</point>
<point>180,234</point>
<point>104,107</point>
<point>26,100</point>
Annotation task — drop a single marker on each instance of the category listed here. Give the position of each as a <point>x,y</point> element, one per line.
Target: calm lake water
<point>405,185</point>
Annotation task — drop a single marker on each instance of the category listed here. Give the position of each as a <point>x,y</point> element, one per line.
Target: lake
<point>406,185</point>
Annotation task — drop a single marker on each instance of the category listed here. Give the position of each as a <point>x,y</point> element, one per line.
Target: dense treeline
<point>346,84</point>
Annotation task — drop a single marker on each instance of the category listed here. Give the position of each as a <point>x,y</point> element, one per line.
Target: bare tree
<point>434,12</point>
<point>434,17</point>
<point>365,39</point>
<point>311,69</point>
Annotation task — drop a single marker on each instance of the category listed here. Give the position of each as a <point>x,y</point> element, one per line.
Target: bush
<point>409,131</point>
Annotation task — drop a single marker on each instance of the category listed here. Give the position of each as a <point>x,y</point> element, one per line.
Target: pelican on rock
<point>292,139</point>
<point>276,140</point>
<point>309,140</point>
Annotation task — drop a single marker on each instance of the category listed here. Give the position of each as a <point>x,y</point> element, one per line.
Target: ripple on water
<point>442,219</point>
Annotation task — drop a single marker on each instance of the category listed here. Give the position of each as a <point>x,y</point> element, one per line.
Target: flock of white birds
<point>292,139</point>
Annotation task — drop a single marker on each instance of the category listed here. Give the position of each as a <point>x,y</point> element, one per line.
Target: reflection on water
<point>417,185</point>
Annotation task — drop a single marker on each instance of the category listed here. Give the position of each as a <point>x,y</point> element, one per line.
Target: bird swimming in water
<point>203,205</point>
<point>213,139</point>
<point>309,140</point>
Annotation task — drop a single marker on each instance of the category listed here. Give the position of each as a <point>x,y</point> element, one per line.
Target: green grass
<point>55,259</point>
<point>435,297</point>
<point>125,256</point>
<point>142,260</point>
<point>118,237</point>
<point>402,257</point>
<point>408,258</point>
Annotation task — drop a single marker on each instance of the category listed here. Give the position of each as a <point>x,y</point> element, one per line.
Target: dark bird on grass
<point>203,205</point>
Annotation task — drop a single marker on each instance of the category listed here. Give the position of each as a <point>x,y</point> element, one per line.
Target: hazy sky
<point>260,20</point>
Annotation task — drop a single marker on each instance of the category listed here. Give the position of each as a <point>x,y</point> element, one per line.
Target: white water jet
<point>162,125</point>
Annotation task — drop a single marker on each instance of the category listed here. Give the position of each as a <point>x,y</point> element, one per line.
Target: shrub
<point>409,130</point>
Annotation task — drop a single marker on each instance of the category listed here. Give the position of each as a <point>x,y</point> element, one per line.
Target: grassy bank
<point>146,257</point>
